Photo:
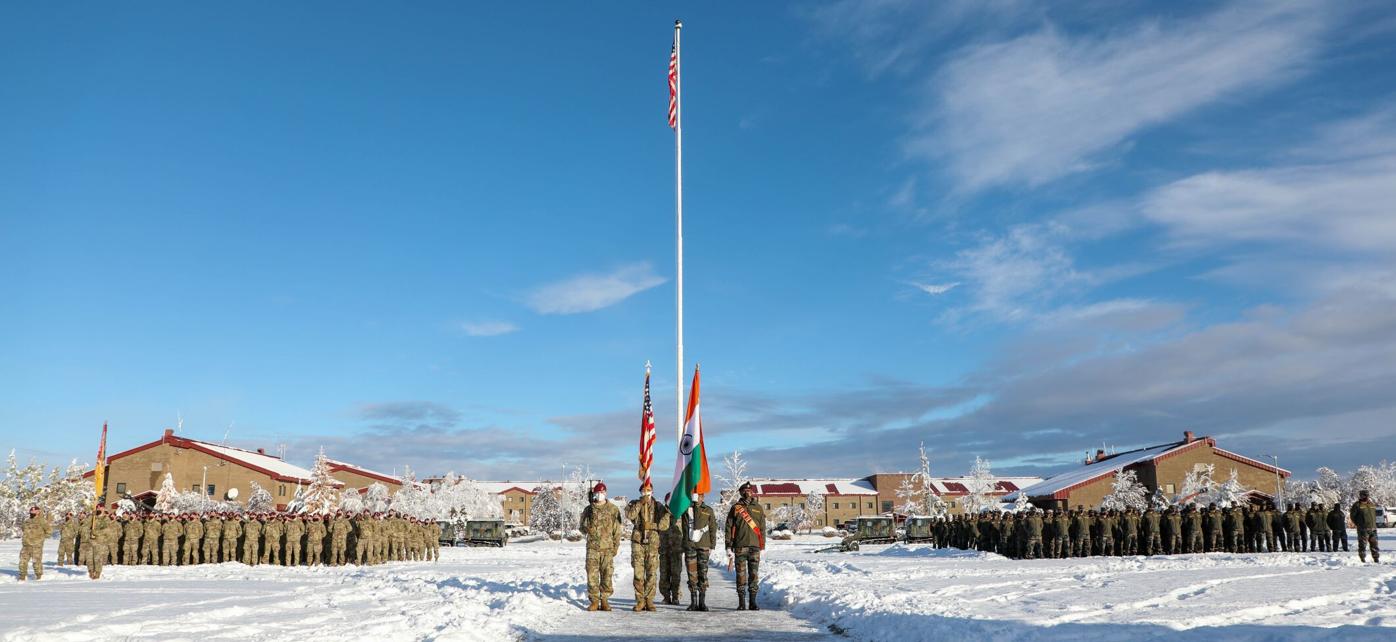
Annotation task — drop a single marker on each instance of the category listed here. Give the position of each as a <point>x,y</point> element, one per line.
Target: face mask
<point>647,494</point>
<point>600,497</point>
<point>697,499</point>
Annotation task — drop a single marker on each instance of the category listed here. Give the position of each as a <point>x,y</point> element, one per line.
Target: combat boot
<point>692,600</point>
<point>703,600</point>
<point>751,602</point>
<point>649,604</point>
<point>593,606</point>
<point>639,605</point>
<point>741,600</point>
<point>605,606</point>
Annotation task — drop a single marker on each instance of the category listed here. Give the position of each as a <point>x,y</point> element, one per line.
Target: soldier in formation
<point>1364,517</point>
<point>36,529</point>
<point>745,541</point>
<point>699,536</point>
<point>671,551</point>
<point>601,524</point>
<point>648,519</point>
<point>100,538</point>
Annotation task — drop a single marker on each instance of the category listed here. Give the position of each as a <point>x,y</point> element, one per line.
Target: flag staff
<point>677,116</point>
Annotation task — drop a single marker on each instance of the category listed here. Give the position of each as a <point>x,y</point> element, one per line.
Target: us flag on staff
<point>673,87</point>
<point>647,433</point>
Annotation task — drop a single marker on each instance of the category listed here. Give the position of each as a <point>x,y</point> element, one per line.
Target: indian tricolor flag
<point>691,468</point>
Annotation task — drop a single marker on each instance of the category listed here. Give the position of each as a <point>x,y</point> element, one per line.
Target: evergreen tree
<point>260,501</point>
<point>321,497</point>
<point>814,510</point>
<point>1231,492</point>
<point>166,497</point>
<point>981,485</point>
<point>377,499</point>
<point>1126,492</point>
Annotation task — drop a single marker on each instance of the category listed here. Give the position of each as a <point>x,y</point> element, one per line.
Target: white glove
<point>697,534</point>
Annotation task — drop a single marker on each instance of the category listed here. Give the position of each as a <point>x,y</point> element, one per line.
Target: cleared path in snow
<point>721,623</point>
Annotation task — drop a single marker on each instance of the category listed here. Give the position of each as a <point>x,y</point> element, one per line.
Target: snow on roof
<point>344,465</point>
<point>807,486</point>
<point>960,485</point>
<point>258,460</point>
<point>1095,470</point>
<point>499,487</point>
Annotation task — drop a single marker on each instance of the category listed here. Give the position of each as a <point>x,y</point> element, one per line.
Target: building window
<point>836,505</point>
<point>952,504</point>
<point>886,506</point>
<point>768,506</point>
<point>281,490</point>
<point>194,488</point>
<point>121,488</point>
<point>211,492</point>
<point>1168,488</point>
<point>869,505</point>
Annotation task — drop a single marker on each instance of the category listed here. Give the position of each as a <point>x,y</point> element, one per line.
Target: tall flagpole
<point>678,209</point>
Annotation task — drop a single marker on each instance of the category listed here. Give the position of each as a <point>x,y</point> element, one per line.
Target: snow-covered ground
<point>535,591</point>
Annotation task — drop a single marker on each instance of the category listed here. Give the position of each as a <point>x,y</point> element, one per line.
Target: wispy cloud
<point>591,292</point>
<point>1042,106</point>
<point>488,328</point>
<point>935,289</point>
<point>1011,277</point>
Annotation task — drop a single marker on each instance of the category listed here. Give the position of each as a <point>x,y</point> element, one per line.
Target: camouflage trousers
<point>191,552</point>
<point>1319,541</point>
<point>1367,538</point>
<point>1238,542</point>
<point>1193,544</point>
<point>338,550</point>
<point>150,551</point>
<point>65,551</point>
<point>169,553</point>
<point>1061,546</point>
<point>1339,537</point>
<point>96,555</point>
<point>31,553</point>
<point>644,560</point>
<point>230,549</point>
<point>271,553</point>
<point>1033,550</point>
<point>697,562</point>
<point>293,551</point>
<point>600,569</point>
<point>671,565</point>
<point>1153,544</point>
<point>748,569</point>
<point>250,555</point>
<point>1081,547</point>
<point>211,550</point>
<point>131,555</point>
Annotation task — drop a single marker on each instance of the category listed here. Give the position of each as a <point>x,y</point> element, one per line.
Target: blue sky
<point>442,236</point>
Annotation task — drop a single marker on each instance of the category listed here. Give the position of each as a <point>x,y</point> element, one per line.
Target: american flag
<point>647,434</point>
<point>673,87</point>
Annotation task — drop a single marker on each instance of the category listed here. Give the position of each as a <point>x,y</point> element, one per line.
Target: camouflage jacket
<point>1364,515</point>
<point>602,526</point>
<point>649,518</point>
<point>740,533</point>
<point>37,529</point>
<point>699,517</point>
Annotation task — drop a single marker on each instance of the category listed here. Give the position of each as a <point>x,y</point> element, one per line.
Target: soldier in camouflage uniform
<point>315,541</point>
<point>36,529</point>
<point>1080,533</point>
<point>1294,529</point>
<point>1152,543</point>
<point>746,538</point>
<point>112,536</point>
<point>295,531</point>
<point>1195,539</point>
<point>339,539</point>
<point>131,541</point>
<point>1364,518</point>
<point>649,519</point>
<point>1062,536</point>
<point>1129,527</point>
<point>363,538</point>
<point>213,533</point>
<point>1216,529</point>
<point>1032,535</point>
<point>272,532</point>
<point>601,524</point>
<point>671,549</point>
<point>698,537</point>
<point>94,544</point>
<point>1338,529</point>
<point>1236,526</point>
<point>67,539</point>
<point>1317,521</point>
<point>1173,531</point>
<point>251,540</point>
<point>232,530</point>
<point>193,539</point>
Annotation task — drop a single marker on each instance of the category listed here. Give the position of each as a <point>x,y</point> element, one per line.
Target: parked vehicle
<point>485,532</point>
<point>448,533</point>
<point>866,530</point>
<point>1386,517</point>
<point>917,529</point>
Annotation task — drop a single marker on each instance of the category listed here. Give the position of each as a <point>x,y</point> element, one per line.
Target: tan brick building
<point>361,478</point>
<point>194,465</point>
<point>844,499</point>
<point>1158,467</point>
<point>951,490</point>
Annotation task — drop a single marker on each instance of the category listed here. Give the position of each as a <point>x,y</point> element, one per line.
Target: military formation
<point>662,547</point>
<point>1083,532</point>
<point>102,537</point>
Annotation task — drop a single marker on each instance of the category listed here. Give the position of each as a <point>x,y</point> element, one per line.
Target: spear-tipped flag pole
<point>691,467</point>
<point>647,433</point>
<point>676,122</point>
<point>99,476</point>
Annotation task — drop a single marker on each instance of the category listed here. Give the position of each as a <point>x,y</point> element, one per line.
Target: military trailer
<point>484,532</point>
<point>448,533</point>
<point>918,529</point>
<point>866,530</point>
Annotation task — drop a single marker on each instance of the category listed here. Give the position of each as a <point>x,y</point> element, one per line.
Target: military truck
<point>485,532</point>
<point>866,530</point>
<point>448,533</point>
<point>918,529</point>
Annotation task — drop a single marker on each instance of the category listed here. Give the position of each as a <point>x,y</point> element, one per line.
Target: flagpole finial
<point>678,24</point>
<point>647,366</point>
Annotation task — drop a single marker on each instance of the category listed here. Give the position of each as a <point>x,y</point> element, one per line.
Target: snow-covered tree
<point>981,485</point>
<point>1126,492</point>
<point>413,498</point>
<point>917,494</point>
<point>377,499</point>
<point>68,491</point>
<point>259,500</point>
<point>20,490</point>
<point>1379,481</point>
<point>576,494</point>
<point>1021,503</point>
<point>814,510</point>
<point>1329,488</point>
<point>351,502</point>
<point>166,496</point>
<point>125,506</point>
<point>321,497</point>
<point>1230,492</point>
<point>1159,501</point>
<point>546,514</point>
<point>1198,486</point>
<point>732,475</point>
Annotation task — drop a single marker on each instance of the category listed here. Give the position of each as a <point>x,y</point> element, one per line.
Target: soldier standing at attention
<point>251,540</point>
<point>745,541</point>
<point>232,530</point>
<point>36,529</point>
<point>1216,528</point>
<point>193,539</point>
<point>698,530</point>
<point>1364,517</point>
<point>363,538</point>
<point>671,550</point>
<point>271,535</point>
<point>1032,534</point>
<point>1063,534</point>
<point>295,530</point>
<point>1129,527</point>
<point>94,544</point>
<point>213,531</point>
<point>1338,527</point>
<point>339,540</point>
<point>169,540</point>
<point>67,537</point>
<point>131,541</point>
<point>1237,521</point>
<point>1194,541</point>
<point>649,519</point>
<point>1317,519</point>
<point>1172,531</point>
<point>314,541</point>
<point>1153,537</point>
<point>602,526</point>
<point>1294,529</point>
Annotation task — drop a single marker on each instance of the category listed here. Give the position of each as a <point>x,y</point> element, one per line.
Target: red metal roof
<point>779,489</point>
<point>833,490</point>
<point>1005,486</point>
<point>956,487</point>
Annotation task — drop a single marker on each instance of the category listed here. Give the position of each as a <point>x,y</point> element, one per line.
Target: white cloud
<point>591,292</point>
<point>1042,106</point>
<point>1011,276</point>
<point>488,328</point>
<point>1341,198</point>
<point>935,289</point>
